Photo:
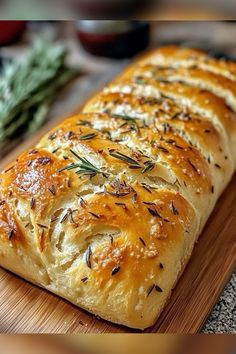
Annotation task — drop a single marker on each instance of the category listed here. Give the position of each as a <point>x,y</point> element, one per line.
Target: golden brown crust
<point>109,204</point>
<point>215,83</point>
<point>175,56</point>
<point>137,77</point>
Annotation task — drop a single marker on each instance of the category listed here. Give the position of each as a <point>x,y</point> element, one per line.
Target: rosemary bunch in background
<point>27,89</point>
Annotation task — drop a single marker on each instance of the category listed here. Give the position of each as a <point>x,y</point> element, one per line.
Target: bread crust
<point>108,206</point>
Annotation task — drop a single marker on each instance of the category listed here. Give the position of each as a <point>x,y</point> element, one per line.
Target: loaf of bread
<point>106,209</point>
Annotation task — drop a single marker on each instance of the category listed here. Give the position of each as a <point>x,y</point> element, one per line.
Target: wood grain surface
<point>25,308</point>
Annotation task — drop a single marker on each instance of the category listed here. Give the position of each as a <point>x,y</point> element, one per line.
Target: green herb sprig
<point>28,88</point>
<point>118,155</point>
<point>84,167</point>
<point>130,121</point>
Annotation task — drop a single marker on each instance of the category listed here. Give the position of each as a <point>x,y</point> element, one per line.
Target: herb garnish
<point>179,147</point>
<point>68,183</point>
<point>145,186</point>
<point>193,166</point>
<point>32,203</point>
<point>84,167</point>
<point>56,150</point>
<point>53,219</point>
<point>70,214</point>
<point>65,217</point>
<point>166,128</point>
<point>115,270</point>
<point>94,215</point>
<point>123,205</point>
<point>85,122</point>
<point>131,121</point>
<point>44,160</point>
<point>135,198</point>
<point>154,212</point>
<point>173,208</point>
<point>152,287</point>
<point>161,79</point>
<point>149,203</point>
<point>28,88</point>
<point>52,190</point>
<point>149,166</point>
<point>10,234</point>
<point>118,155</point>
<point>84,279</point>
<point>42,226</point>
<point>163,149</point>
<point>87,136</point>
<point>158,289</point>
<point>121,189</point>
<point>88,257</point>
<point>9,169</point>
<point>82,202</point>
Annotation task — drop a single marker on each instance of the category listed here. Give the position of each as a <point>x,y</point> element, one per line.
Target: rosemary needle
<point>118,155</point>
<point>83,167</point>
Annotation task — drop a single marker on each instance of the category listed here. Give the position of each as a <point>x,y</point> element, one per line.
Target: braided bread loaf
<point>106,209</point>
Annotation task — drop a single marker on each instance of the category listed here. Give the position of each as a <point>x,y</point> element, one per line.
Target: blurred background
<point>118,344</point>
<point>136,9</point>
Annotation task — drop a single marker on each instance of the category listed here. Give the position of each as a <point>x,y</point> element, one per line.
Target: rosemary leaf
<point>118,155</point>
<point>87,136</point>
<point>84,167</point>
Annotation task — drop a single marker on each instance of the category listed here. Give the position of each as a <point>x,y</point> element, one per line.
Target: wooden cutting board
<point>26,308</point>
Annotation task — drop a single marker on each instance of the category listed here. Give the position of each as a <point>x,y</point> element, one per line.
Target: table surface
<point>222,318</point>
